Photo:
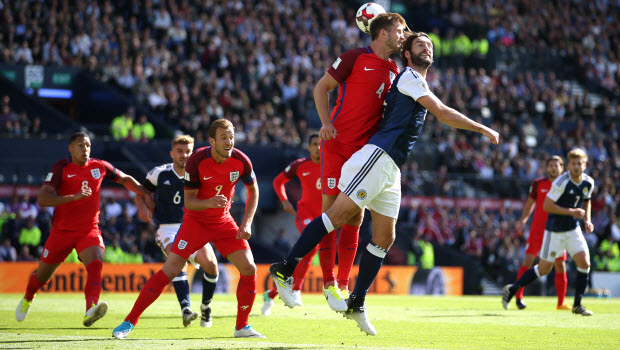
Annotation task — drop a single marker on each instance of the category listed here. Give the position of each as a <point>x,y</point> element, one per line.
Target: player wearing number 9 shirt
<point>73,187</point>
<point>211,174</point>
<point>363,77</point>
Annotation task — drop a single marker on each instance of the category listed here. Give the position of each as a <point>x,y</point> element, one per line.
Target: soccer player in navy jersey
<point>371,177</point>
<point>73,187</point>
<point>211,174</point>
<point>165,185</point>
<point>568,193</point>
<point>363,77</point>
<point>308,171</point>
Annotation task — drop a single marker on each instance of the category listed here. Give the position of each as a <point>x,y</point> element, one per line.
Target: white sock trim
<point>376,250</point>
<point>327,222</point>
<point>536,270</point>
<point>182,278</point>
<point>208,279</point>
<point>583,270</point>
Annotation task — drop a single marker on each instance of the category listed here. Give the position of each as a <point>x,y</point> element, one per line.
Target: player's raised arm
<point>321,101</point>
<point>251,203</point>
<point>455,119</point>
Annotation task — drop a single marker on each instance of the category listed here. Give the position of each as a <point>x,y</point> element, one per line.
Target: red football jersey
<point>365,80</point>
<point>538,192</point>
<point>69,178</point>
<point>211,179</point>
<point>309,174</point>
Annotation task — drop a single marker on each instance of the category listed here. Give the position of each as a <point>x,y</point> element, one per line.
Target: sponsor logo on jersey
<point>367,69</point>
<point>234,176</point>
<point>306,174</point>
<point>423,86</point>
<point>331,182</point>
<point>74,175</point>
<point>166,182</point>
<point>544,190</point>
<point>96,173</point>
<point>186,176</point>
<point>46,253</point>
<point>361,194</point>
<point>307,221</point>
<point>245,307</point>
<point>571,191</point>
<point>206,178</point>
<point>182,244</point>
<point>49,177</point>
<point>337,63</point>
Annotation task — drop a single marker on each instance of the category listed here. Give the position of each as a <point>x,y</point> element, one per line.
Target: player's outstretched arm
<point>48,198</point>
<point>145,211</point>
<point>455,119</point>
<point>321,101</point>
<point>251,203</point>
<point>131,184</point>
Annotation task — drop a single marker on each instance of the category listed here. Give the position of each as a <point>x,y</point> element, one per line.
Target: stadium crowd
<point>255,63</point>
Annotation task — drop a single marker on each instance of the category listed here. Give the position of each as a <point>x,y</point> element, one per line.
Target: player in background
<point>73,187</point>
<point>371,177</point>
<point>363,77</point>
<point>563,203</point>
<point>164,184</point>
<point>211,174</point>
<point>538,193</point>
<point>308,170</point>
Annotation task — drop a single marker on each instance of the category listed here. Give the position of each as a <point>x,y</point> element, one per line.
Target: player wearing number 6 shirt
<point>73,187</point>
<point>308,171</point>
<point>363,77</point>
<point>165,184</point>
<point>211,174</point>
<point>567,194</point>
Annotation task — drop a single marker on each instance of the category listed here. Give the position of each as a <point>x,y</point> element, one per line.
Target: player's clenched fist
<point>218,201</point>
<point>245,231</point>
<point>84,193</point>
<point>327,132</point>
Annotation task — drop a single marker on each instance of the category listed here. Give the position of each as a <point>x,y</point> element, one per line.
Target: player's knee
<point>248,269</point>
<point>210,267</point>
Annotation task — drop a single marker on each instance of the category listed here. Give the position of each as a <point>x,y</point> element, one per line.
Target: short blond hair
<point>577,153</point>
<point>183,140</point>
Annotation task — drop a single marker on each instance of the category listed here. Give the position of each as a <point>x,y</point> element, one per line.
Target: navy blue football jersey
<point>568,194</point>
<point>167,186</point>
<point>403,116</point>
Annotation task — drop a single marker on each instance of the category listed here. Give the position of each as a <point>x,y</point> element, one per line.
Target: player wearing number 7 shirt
<point>363,77</point>
<point>211,174</point>
<point>73,187</point>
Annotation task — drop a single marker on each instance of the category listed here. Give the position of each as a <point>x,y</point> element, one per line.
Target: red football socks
<point>246,293</point>
<point>560,286</point>
<point>327,256</point>
<point>347,247</point>
<point>33,286</point>
<point>149,293</point>
<point>302,268</point>
<point>92,289</point>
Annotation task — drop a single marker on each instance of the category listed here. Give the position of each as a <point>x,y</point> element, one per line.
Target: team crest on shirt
<point>585,191</point>
<point>361,194</point>
<point>331,182</point>
<point>234,176</point>
<point>45,253</point>
<point>552,254</point>
<point>96,173</point>
<point>392,76</point>
<point>182,244</point>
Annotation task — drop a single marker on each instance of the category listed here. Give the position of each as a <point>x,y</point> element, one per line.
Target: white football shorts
<point>554,244</point>
<point>165,236</point>
<point>372,179</point>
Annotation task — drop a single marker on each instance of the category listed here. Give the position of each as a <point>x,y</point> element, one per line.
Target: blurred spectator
<point>122,125</point>
<point>281,243</point>
<point>24,254</point>
<point>8,253</point>
<point>30,234</point>
<point>144,130</point>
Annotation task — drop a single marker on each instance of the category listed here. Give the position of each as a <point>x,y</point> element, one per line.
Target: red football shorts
<point>60,243</point>
<point>333,156</point>
<point>303,218</point>
<point>194,234</point>
<point>534,242</point>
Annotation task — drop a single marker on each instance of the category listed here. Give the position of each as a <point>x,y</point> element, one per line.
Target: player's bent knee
<point>247,269</point>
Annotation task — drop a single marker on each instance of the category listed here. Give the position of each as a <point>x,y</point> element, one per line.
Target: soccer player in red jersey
<point>538,193</point>
<point>211,174</point>
<point>308,170</point>
<point>73,187</point>
<point>363,77</point>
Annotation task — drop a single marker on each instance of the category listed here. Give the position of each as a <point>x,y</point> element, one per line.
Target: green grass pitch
<point>402,322</point>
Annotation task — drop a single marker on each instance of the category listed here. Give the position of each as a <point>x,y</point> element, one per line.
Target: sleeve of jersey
<point>556,190</point>
<point>150,183</point>
<point>534,189</point>
<point>413,85</point>
<point>54,177</point>
<point>248,177</point>
<point>278,186</point>
<point>588,196</point>
<point>192,177</point>
<point>111,173</point>
<point>342,67</point>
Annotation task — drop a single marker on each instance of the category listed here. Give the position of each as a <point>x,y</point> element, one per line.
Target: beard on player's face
<point>422,60</point>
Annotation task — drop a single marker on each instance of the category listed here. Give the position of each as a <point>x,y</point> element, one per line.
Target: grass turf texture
<point>402,322</point>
